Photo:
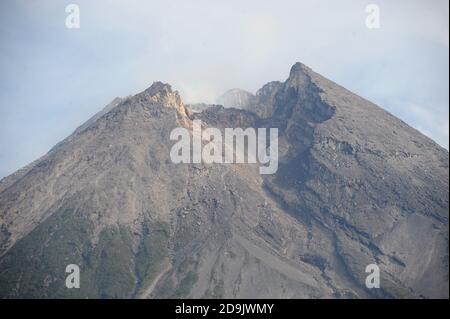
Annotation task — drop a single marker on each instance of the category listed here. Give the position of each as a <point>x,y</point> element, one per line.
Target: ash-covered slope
<point>355,186</point>
<point>380,186</point>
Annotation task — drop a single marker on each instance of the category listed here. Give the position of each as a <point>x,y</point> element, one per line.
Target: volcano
<point>355,186</point>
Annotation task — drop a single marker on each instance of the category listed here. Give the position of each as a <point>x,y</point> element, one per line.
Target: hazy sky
<point>52,78</point>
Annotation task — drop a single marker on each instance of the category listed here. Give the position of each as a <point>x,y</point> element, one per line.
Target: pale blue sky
<point>52,79</point>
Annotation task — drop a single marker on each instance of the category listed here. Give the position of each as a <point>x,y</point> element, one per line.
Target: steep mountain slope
<point>355,186</point>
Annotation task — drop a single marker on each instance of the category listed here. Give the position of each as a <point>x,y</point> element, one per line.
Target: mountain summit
<point>355,187</point>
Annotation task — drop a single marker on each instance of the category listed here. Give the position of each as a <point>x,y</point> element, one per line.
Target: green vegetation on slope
<point>152,252</point>
<point>35,266</point>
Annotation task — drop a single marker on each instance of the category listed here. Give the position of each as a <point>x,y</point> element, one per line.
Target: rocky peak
<point>299,76</point>
<point>161,94</point>
<point>299,67</point>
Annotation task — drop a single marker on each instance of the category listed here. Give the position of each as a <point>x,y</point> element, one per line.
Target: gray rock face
<point>355,186</point>
<point>199,107</point>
